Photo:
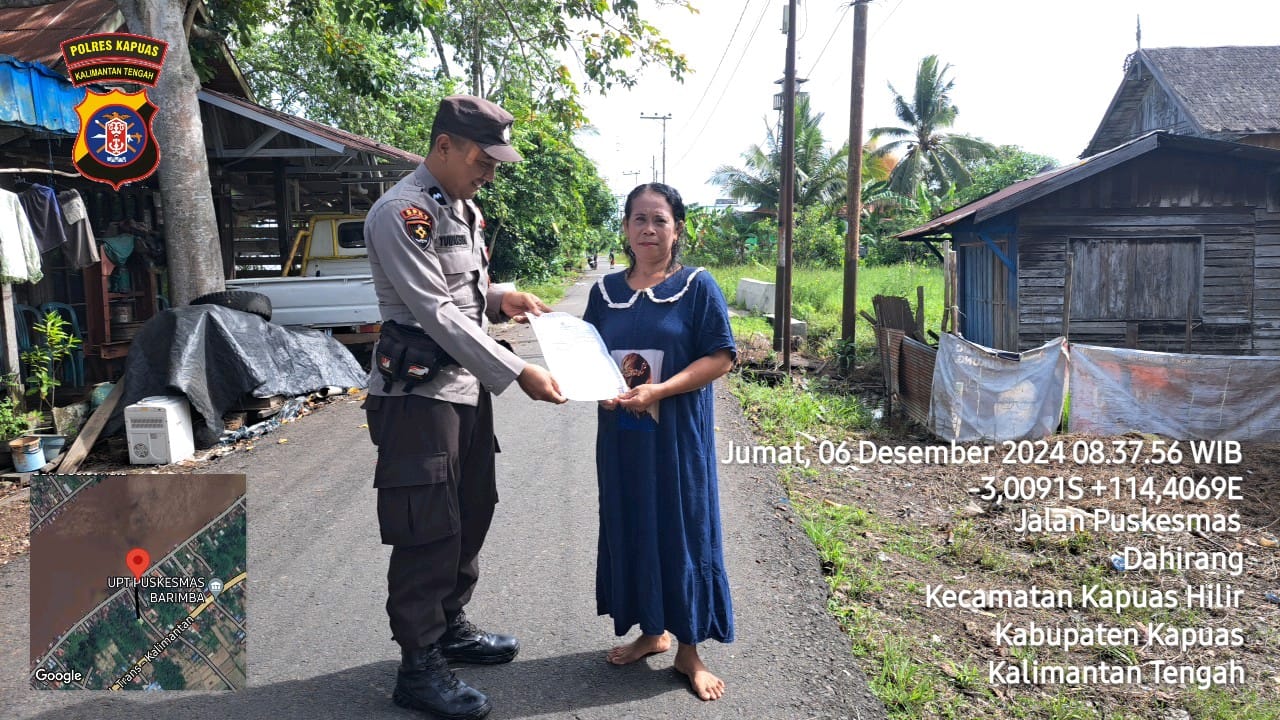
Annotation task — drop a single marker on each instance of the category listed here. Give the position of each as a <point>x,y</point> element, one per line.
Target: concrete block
<point>756,295</point>
<point>799,328</point>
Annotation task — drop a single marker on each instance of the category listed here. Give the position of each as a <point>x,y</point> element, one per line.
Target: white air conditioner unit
<point>159,431</point>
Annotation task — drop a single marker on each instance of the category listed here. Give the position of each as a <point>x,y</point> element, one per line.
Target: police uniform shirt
<point>430,270</point>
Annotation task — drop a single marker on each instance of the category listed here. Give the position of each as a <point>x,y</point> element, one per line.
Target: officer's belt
<point>407,354</point>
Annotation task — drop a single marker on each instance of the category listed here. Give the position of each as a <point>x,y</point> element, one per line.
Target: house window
<point>1135,279</point>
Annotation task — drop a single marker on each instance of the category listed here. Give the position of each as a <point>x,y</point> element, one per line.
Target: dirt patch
<point>15,522</point>
<point>897,532</point>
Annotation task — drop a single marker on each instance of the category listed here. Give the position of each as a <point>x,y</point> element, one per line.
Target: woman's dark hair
<point>672,196</point>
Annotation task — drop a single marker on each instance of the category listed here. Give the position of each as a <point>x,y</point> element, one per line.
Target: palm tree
<point>820,172</point>
<point>931,155</point>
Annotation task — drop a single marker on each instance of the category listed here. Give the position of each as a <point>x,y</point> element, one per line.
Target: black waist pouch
<point>407,354</point>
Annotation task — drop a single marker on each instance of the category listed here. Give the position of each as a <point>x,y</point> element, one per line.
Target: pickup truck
<point>334,291</point>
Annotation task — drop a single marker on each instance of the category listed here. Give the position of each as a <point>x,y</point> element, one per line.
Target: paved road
<point>319,646</point>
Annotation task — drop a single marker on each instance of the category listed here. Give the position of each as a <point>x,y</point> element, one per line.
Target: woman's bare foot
<point>705,685</point>
<point>641,647</point>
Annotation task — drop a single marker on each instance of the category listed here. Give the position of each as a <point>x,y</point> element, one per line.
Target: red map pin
<point>138,561</point>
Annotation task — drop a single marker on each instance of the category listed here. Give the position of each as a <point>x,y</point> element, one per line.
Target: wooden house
<point>1165,242</point>
<point>1220,93</point>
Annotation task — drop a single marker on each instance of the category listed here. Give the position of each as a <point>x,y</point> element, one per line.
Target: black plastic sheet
<point>214,356</point>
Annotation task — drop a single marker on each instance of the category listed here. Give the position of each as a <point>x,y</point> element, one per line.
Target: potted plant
<point>43,362</point>
<point>14,428</point>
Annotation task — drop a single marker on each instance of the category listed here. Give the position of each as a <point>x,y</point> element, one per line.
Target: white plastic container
<point>159,430</point>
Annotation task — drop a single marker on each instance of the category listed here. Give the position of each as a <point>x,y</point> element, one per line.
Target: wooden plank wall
<point>1266,273</point>
<point>1169,194</point>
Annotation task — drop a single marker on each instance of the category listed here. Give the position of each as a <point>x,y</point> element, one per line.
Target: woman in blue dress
<point>661,564</point>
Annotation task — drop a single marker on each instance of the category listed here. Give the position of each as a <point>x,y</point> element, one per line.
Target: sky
<point>1031,73</point>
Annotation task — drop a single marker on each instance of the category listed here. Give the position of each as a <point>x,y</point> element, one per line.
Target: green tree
<point>362,81</point>
<point>930,154</point>
<point>542,214</point>
<point>488,46</point>
<point>547,212</point>
<point>1007,165</point>
<point>720,236</point>
<point>819,241</point>
<point>820,171</point>
<point>169,676</point>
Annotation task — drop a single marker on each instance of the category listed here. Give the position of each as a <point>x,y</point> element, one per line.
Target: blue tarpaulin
<point>34,97</point>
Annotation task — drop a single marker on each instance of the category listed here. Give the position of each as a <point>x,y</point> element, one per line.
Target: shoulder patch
<point>418,224</point>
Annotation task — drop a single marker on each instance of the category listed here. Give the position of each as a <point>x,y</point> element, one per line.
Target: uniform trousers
<point>436,494</point>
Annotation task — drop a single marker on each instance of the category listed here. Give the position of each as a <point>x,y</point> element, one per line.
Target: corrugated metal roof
<point>965,211</point>
<point>308,130</point>
<point>34,97</point>
<point>36,34</point>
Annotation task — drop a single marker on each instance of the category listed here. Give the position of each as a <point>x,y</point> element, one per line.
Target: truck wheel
<point>242,300</point>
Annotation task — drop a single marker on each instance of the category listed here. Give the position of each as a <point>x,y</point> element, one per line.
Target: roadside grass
<point>781,412</point>
<point>551,291</point>
<point>1219,705</point>
<point>817,297</point>
<point>876,566</point>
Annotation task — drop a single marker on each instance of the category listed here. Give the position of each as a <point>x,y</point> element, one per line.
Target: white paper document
<point>577,357</point>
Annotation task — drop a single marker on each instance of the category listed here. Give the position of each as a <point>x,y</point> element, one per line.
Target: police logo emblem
<point>418,224</point>
<point>115,145</point>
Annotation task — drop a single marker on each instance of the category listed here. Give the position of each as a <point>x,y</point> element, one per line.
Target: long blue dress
<point>661,564</point>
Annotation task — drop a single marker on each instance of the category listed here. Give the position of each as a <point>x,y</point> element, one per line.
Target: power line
<point>723,55</point>
<point>831,37</point>
<point>886,19</point>
<point>728,83</point>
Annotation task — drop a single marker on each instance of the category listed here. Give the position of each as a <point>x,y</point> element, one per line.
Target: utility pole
<point>664,119</point>
<point>849,313</point>
<point>786,201</point>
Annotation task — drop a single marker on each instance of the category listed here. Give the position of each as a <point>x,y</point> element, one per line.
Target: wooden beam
<point>92,429</point>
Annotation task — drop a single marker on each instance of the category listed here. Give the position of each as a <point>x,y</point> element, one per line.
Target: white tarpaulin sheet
<point>1186,397</point>
<point>980,394</point>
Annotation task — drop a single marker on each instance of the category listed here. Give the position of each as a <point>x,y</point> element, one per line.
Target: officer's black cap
<point>480,121</point>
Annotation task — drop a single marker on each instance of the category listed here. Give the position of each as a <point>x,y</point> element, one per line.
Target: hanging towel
<point>81,247</point>
<point>41,204</point>
<point>118,248</point>
<point>19,258</point>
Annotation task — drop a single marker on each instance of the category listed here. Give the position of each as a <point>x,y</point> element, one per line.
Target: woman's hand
<point>639,398</point>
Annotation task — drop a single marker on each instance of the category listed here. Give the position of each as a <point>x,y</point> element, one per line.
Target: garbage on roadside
<point>293,408</point>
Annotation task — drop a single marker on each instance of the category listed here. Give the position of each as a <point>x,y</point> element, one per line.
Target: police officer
<point>429,407</point>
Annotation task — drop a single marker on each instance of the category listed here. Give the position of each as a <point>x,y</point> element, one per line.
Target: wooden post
<point>950,313</point>
<point>1186,342</point>
<point>920,313</point>
<point>1066,299</point>
<point>853,204</point>
<point>88,435</point>
<point>11,360</point>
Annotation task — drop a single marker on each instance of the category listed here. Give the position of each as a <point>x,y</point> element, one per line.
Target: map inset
<point>138,582</point>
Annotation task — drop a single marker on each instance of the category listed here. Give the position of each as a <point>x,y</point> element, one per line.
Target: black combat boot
<point>426,683</point>
<point>464,642</point>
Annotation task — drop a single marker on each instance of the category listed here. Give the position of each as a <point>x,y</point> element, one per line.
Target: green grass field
<point>817,297</point>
